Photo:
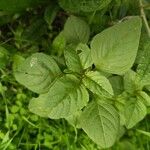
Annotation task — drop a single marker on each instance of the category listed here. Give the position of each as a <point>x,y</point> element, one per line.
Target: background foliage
<point>33,26</point>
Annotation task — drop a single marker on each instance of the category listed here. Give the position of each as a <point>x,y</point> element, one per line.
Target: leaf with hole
<point>37,72</point>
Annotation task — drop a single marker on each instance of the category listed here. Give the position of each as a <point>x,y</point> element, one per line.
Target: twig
<point>144,17</point>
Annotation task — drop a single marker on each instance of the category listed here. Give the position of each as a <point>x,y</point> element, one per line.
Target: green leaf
<point>50,13</point>
<point>116,54</point>
<point>135,111</point>
<point>101,123</point>
<point>125,144</point>
<point>85,55</point>
<point>65,97</point>
<point>3,57</point>
<point>59,44</point>
<point>117,84</point>
<point>131,83</point>
<point>120,102</point>
<point>72,60</point>
<point>35,31</point>
<point>37,72</point>
<point>143,69</point>
<point>79,58</point>
<point>83,5</point>
<point>74,119</point>
<point>97,83</point>
<point>19,5</point>
<point>17,60</point>
<point>144,97</point>
<point>76,30</point>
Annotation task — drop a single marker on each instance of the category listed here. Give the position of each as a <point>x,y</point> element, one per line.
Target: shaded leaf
<point>19,5</point>
<point>3,57</point>
<point>143,69</point>
<point>76,30</point>
<point>135,111</point>
<point>83,5</point>
<point>131,83</point>
<point>117,84</point>
<point>144,132</point>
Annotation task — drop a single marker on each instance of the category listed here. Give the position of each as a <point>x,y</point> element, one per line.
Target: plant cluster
<point>94,75</point>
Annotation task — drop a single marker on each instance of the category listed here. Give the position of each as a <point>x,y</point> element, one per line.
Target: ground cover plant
<point>75,74</point>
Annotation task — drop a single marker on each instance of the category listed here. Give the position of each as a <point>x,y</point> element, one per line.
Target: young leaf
<point>117,84</point>
<point>144,97</point>
<point>76,30</point>
<point>83,5</point>
<point>72,60</point>
<point>97,83</point>
<point>135,111</point>
<point>37,72</point>
<point>114,50</point>
<point>50,13</point>
<point>65,97</point>
<point>59,44</point>
<point>85,55</point>
<point>131,83</point>
<point>101,123</point>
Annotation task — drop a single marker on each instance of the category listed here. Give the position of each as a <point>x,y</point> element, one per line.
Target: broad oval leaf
<point>114,50</point>
<point>65,97</point>
<point>135,111</point>
<point>97,83</point>
<point>83,5</point>
<point>76,30</point>
<point>101,123</point>
<point>37,72</point>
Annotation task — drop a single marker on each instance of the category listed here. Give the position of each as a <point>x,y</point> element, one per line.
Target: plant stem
<point>144,17</point>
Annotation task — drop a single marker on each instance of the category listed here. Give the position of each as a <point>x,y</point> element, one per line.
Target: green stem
<point>92,17</point>
<point>144,17</point>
